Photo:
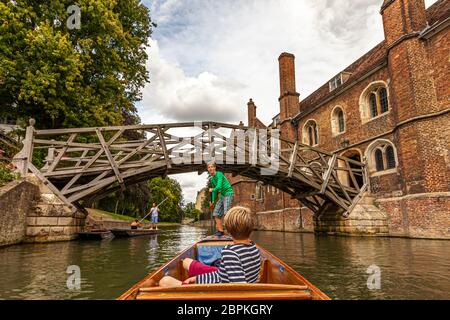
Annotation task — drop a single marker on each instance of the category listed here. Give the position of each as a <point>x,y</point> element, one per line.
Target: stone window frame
<point>375,147</point>
<point>305,133</point>
<point>365,105</point>
<point>335,124</point>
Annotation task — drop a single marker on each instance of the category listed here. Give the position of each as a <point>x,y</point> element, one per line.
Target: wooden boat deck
<point>121,233</point>
<point>95,235</point>
<point>277,281</point>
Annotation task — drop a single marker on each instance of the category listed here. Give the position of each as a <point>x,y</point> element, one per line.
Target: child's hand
<point>190,281</point>
<point>210,190</point>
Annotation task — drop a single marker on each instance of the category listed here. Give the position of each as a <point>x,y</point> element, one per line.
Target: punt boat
<point>277,280</point>
<point>127,233</point>
<point>99,234</point>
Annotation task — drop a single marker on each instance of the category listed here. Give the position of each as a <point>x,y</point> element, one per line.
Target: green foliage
<point>137,200</point>
<point>132,202</point>
<point>100,214</point>
<point>191,212</point>
<point>90,76</point>
<point>160,188</point>
<point>6,175</point>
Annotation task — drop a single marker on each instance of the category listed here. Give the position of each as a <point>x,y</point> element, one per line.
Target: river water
<point>407,268</point>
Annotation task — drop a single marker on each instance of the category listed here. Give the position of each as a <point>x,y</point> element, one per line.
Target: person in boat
<point>135,224</point>
<point>240,261</point>
<point>154,210</point>
<point>219,185</point>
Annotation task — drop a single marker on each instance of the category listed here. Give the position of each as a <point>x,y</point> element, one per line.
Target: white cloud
<point>191,183</point>
<point>174,96</point>
<point>209,57</point>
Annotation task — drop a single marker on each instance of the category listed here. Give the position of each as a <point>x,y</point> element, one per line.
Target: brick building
<point>390,109</point>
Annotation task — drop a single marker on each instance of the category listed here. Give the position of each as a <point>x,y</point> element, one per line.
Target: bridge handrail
<point>115,161</point>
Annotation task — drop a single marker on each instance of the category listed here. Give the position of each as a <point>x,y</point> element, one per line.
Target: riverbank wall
<point>31,213</point>
<point>16,200</point>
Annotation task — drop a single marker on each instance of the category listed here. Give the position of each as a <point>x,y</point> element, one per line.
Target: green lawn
<point>96,213</point>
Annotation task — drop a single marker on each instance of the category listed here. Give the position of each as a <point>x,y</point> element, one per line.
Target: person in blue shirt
<point>154,210</point>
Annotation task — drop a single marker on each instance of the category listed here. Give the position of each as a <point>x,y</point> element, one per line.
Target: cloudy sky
<point>208,57</point>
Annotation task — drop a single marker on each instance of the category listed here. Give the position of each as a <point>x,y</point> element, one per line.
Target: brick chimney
<point>412,85</point>
<point>251,107</point>
<point>412,91</point>
<point>402,17</point>
<point>289,97</point>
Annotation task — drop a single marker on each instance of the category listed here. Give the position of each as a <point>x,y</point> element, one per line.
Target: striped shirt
<point>239,263</point>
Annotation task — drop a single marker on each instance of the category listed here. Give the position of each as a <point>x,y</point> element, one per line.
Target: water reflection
<point>108,267</point>
<point>410,269</point>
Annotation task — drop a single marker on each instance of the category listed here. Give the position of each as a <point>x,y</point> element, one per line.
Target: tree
<point>131,202</point>
<point>160,188</point>
<point>191,212</point>
<point>64,77</point>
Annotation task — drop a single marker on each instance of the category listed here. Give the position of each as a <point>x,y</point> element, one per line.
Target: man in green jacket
<point>220,185</point>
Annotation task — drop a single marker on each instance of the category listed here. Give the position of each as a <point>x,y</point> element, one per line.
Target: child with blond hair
<point>240,261</point>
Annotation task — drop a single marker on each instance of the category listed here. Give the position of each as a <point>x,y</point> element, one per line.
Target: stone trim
<point>416,196</point>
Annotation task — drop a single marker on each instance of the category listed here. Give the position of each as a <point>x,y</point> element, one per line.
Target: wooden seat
<point>263,271</point>
<point>226,292</point>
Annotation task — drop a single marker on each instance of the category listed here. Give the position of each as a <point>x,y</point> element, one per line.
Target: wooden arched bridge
<point>84,164</point>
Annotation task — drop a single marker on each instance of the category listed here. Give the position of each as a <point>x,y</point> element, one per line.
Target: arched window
<point>311,133</point>
<point>390,157</point>
<point>382,156</point>
<point>384,104</point>
<point>373,105</point>
<point>341,121</point>
<point>379,163</point>
<point>337,121</point>
<point>374,101</point>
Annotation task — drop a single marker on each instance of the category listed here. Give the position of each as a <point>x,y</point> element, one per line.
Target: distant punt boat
<point>127,233</point>
<point>95,235</point>
<point>277,280</point>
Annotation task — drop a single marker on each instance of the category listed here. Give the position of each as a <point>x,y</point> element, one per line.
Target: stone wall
<point>288,220</point>
<point>418,216</point>
<point>30,212</point>
<point>50,219</point>
<point>16,199</point>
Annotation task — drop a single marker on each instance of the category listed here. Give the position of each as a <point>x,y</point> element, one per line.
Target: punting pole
<point>151,211</point>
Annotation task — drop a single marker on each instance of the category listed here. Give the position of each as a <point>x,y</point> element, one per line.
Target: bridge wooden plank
<point>293,160</point>
<point>109,180</point>
<point>210,143</point>
<point>164,148</point>
<point>64,143</point>
<point>87,185</point>
<point>61,153</point>
<point>91,161</point>
<point>342,187</point>
<point>55,190</point>
<point>352,176</point>
<point>83,155</point>
<point>328,173</point>
<point>110,158</point>
<point>142,146</point>
<point>355,201</point>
